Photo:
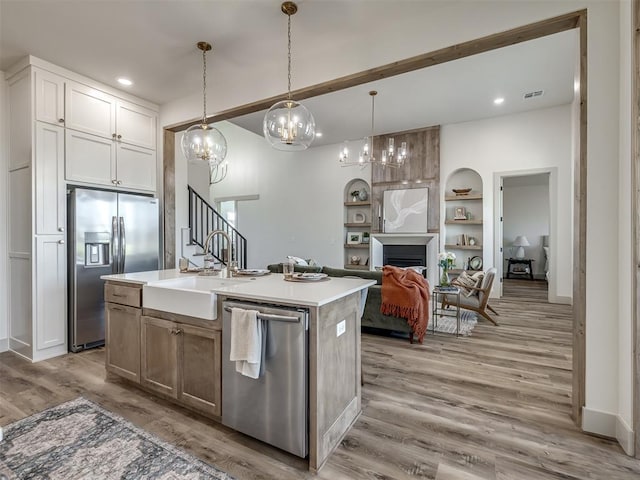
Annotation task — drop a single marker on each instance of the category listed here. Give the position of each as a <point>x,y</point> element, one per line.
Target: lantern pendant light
<point>365,155</point>
<point>390,156</point>
<point>202,142</point>
<point>288,125</point>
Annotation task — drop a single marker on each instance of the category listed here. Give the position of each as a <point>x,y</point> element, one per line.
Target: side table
<point>520,266</point>
<point>438,292</point>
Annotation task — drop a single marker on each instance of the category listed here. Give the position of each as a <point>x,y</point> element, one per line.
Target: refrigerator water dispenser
<point>96,249</point>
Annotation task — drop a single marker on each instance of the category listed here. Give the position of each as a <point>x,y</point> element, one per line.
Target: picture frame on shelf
<point>354,238</point>
<point>475,263</point>
<point>460,213</point>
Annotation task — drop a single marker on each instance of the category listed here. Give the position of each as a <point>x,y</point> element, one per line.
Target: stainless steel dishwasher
<point>274,407</point>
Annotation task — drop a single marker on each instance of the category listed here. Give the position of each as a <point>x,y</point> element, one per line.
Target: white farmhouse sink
<point>192,296</point>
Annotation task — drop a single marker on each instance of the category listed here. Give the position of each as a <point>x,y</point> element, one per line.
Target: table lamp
<point>520,242</point>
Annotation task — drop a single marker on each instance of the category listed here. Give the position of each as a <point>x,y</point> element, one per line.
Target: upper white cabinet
<point>135,125</point>
<point>135,167</point>
<point>101,161</point>
<point>90,110</point>
<point>90,159</point>
<point>49,93</point>
<point>110,141</point>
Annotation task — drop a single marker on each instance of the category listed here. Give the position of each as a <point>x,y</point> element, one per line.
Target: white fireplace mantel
<point>429,240</point>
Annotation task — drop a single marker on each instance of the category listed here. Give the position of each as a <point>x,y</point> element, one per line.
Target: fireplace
<point>404,255</point>
<point>407,250</point>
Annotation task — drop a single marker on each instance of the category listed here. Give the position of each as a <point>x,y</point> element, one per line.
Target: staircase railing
<point>203,218</point>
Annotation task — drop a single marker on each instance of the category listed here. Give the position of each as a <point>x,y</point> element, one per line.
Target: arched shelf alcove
<point>463,221</point>
<point>357,224</point>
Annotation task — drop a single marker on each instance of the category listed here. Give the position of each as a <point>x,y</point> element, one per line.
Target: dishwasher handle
<point>275,318</point>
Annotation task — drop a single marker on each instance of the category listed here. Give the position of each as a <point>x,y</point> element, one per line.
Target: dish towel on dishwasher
<point>246,342</point>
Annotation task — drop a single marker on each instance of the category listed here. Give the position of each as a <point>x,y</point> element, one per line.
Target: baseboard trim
<point>624,435</point>
<point>4,344</point>
<point>560,299</point>
<point>600,423</point>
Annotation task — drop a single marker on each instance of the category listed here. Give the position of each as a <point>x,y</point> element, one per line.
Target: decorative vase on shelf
<point>363,195</point>
<point>444,278</point>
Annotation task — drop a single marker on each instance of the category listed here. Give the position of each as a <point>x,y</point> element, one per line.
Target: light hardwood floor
<point>494,405</point>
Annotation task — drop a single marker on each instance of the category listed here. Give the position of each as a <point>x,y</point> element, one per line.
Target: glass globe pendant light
<point>202,142</point>
<point>288,125</point>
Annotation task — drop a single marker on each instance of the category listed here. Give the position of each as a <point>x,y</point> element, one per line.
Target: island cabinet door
<point>200,379</point>
<point>123,341</point>
<point>159,342</point>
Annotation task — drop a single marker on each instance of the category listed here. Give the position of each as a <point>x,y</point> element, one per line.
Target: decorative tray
<point>307,277</point>
<point>252,272</point>
<point>192,270</point>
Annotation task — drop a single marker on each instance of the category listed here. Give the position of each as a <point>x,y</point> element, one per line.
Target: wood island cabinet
<point>123,341</point>
<point>180,357</point>
<point>175,356</point>
<point>200,379</point>
<point>122,329</point>
<point>159,352</point>
<point>183,362</point>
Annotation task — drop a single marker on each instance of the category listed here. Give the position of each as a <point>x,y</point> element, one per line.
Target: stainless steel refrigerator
<point>109,232</point>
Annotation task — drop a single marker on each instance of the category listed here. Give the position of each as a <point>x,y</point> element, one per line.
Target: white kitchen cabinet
<point>110,141</point>
<point>101,161</point>
<point>49,94</point>
<point>93,111</point>
<point>135,125</point>
<point>90,158</point>
<point>61,128</point>
<point>50,186</point>
<point>135,167</point>
<point>51,303</point>
<point>90,110</point>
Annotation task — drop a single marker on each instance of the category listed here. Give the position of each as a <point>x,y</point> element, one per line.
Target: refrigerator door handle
<point>123,245</point>
<point>115,246</point>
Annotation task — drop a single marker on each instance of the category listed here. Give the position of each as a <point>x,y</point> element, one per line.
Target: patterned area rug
<point>447,324</point>
<point>80,440</point>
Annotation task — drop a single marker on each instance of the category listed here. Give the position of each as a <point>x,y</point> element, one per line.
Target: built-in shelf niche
<point>463,237</point>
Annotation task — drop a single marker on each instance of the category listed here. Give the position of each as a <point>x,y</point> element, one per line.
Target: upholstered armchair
<point>478,300</point>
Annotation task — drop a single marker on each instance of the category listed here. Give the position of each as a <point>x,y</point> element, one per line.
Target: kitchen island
<point>174,348</point>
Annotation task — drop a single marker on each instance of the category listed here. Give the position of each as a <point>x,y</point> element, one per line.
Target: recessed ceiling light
<point>318,134</point>
<point>498,100</point>
<point>125,81</point>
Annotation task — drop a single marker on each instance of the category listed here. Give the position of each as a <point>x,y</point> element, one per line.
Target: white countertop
<point>269,288</point>
<point>142,278</point>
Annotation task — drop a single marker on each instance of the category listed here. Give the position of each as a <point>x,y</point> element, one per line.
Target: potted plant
<point>355,195</point>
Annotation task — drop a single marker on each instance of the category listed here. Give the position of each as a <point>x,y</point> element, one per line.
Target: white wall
<point>512,145</point>
<point>525,212</point>
<point>447,23</point>
<point>624,422</point>
<point>602,200</point>
<point>295,199</point>
<point>4,155</point>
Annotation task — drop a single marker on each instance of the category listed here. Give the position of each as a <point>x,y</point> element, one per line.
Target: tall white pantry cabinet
<point>64,129</point>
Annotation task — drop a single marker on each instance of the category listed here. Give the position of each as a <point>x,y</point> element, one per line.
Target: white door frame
<point>498,247</point>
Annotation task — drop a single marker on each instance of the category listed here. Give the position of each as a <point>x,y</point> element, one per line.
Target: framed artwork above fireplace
<point>405,211</point>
